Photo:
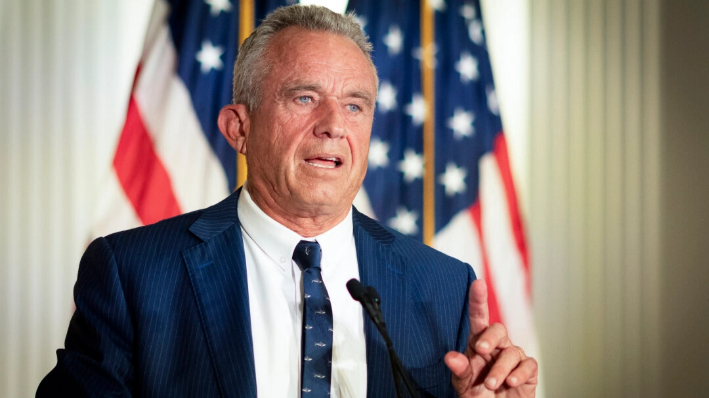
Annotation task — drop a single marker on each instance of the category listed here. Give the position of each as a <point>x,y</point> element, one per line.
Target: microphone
<point>370,300</point>
<point>357,290</point>
<point>372,292</point>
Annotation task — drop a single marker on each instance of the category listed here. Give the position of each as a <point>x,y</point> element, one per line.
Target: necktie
<point>316,343</point>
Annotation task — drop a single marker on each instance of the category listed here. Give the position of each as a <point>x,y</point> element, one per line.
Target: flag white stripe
<point>506,263</point>
<point>114,212</point>
<point>460,239</point>
<point>166,111</point>
<point>362,203</point>
<point>179,141</point>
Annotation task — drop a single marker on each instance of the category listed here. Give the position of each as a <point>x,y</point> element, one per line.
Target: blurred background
<point>605,105</point>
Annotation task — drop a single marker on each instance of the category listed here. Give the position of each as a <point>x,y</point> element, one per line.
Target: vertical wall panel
<point>577,193</point>
<point>36,149</point>
<point>12,264</point>
<point>593,363</point>
<point>539,153</point>
<point>614,191</point>
<point>651,174</point>
<point>591,194</point>
<point>685,189</point>
<point>56,108</point>
<point>632,200</point>
<point>559,255</point>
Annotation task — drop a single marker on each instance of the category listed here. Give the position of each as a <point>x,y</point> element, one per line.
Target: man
<point>247,298</point>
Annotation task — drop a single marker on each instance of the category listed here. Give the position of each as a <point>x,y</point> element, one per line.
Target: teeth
<point>321,165</point>
<point>334,160</point>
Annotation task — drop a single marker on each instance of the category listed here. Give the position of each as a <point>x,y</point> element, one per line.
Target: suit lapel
<point>381,267</point>
<point>217,270</point>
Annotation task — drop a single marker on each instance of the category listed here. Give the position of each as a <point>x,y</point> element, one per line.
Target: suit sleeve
<point>97,358</point>
<point>464,330</point>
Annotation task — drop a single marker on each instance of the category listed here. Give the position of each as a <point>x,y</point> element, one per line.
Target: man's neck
<point>308,222</point>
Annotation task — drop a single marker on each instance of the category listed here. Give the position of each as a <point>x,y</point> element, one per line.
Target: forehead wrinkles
<point>302,56</point>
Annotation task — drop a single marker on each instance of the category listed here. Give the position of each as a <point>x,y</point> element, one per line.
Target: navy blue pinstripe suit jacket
<point>162,311</point>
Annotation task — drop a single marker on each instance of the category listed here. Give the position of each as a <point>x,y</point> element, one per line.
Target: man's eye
<point>353,108</point>
<point>305,99</point>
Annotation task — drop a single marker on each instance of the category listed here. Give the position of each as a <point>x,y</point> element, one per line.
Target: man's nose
<point>331,120</point>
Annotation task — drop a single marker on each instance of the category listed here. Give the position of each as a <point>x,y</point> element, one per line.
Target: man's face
<point>307,141</point>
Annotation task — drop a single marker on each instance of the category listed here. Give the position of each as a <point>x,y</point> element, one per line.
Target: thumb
<point>460,367</point>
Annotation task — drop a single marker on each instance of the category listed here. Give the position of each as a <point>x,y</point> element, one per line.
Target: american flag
<point>477,217</point>
<point>171,158</point>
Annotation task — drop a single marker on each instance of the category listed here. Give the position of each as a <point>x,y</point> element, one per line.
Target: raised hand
<point>491,366</point>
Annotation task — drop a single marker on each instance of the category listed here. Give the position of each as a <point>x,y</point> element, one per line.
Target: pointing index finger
<point>478,311</point>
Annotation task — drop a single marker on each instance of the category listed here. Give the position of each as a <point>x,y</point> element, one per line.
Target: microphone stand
<point>370,300</point>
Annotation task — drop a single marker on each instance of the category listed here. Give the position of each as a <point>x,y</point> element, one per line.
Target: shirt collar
<point>278,242</point>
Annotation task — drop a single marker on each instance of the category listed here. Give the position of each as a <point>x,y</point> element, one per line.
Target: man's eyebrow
<point>298,87</point>
<point>363,95</point>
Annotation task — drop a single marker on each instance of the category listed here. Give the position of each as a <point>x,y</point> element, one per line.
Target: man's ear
<point>234,123</point>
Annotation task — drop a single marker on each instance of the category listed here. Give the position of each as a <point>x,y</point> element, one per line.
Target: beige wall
<point>685,198</point>
<point>594,194</point>
<point>619,222</point>
<point>66,68</point>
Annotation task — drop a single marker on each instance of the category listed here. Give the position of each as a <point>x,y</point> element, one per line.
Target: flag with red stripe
<point>170,157</point>
<point>477,217</point>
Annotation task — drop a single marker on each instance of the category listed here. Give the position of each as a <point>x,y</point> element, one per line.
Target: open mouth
<point>324,162</point>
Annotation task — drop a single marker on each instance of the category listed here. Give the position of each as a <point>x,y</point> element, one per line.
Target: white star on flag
<point>467,66</point>
<point>418,54</point>
<point>362,21</point>
<point>453,179</point>
<point>378,153</point>
<point>461,123</point>
<point>492,103</point>
<point>394,40</point>
<point>438,5</point>
<point>209,57</point>
<point>417,109</point>
<point>468,12</point>
<point>475,31</point>
<point>218,6</point>
<point>404,221</point>
<point>386,99</point>
<point>411,165</point>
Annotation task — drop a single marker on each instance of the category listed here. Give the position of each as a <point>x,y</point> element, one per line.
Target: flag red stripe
<point>517,227</point>
<point>141,173</point>
<point>493,306</point>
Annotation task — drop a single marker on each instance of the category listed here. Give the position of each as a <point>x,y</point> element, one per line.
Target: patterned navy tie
<point>316,344</point>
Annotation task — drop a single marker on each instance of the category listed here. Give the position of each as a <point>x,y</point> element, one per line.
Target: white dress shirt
<point>275,302</point>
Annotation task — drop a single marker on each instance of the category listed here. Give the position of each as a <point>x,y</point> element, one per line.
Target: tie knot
<point>307,254</point>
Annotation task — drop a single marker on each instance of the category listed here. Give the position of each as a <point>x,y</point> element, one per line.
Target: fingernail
<point>513,380</point>
<point>491,383</point>
<point>482,344</point>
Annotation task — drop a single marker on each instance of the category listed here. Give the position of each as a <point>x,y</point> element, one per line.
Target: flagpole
<point>427,82</point>
<point>246,26</point>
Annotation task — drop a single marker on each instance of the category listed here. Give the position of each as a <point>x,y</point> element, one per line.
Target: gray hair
<point>251,67</point>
